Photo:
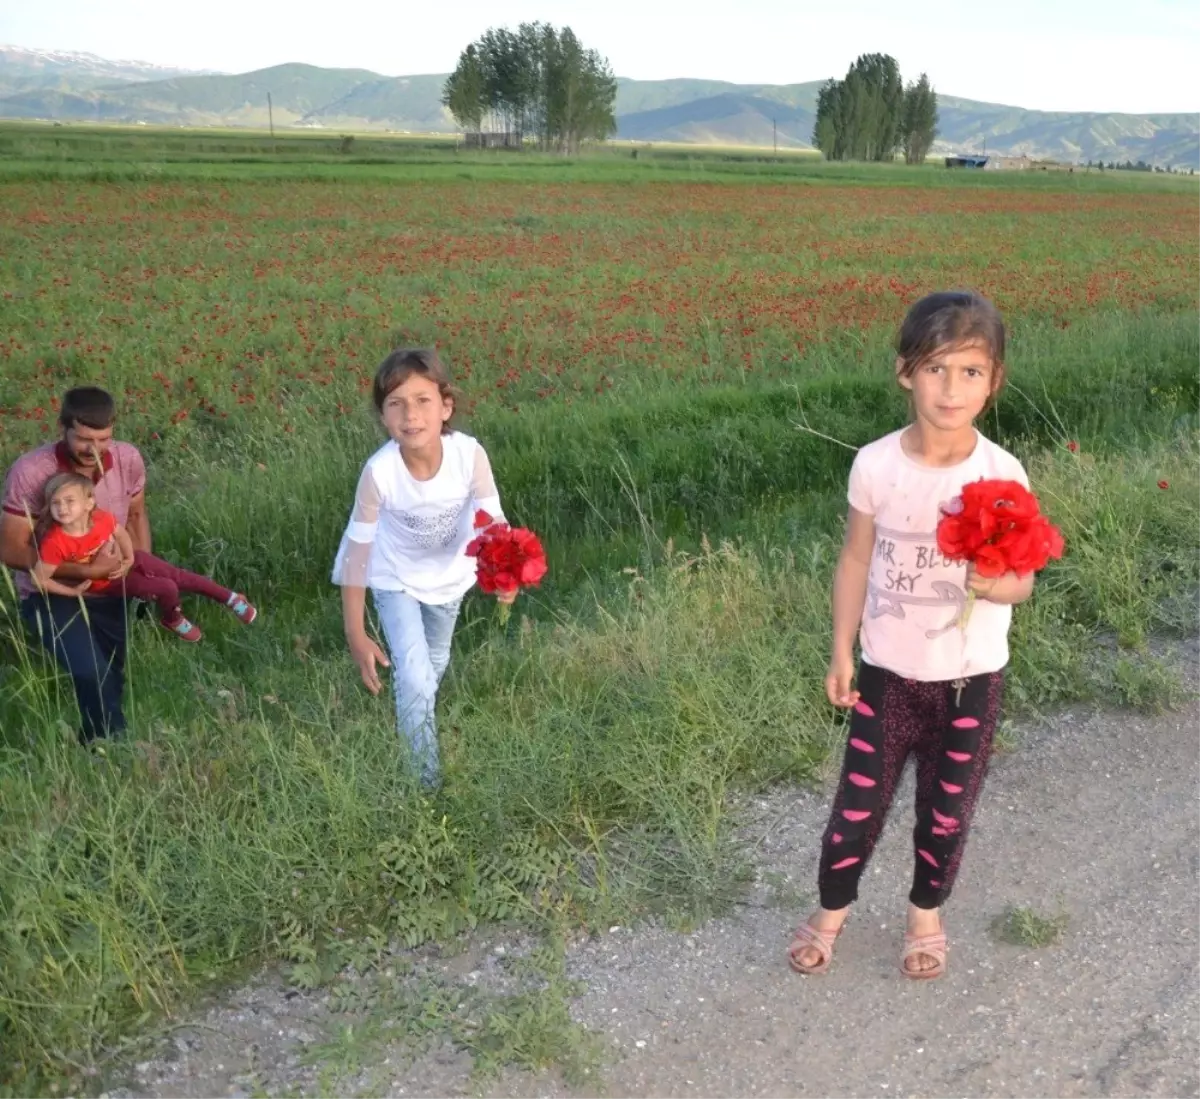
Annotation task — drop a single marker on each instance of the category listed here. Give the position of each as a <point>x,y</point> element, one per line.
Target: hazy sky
<point>1098,55</point>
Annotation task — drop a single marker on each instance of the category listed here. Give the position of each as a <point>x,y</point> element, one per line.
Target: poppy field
<point>263,302</point>
<point>239,319</point>
<point>670,377</point>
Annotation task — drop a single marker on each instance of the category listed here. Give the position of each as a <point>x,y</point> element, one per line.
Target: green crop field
<point>641,344</point>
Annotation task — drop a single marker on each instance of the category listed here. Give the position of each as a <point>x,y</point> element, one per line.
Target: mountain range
<point>21,68</point>
<point>60,86</point>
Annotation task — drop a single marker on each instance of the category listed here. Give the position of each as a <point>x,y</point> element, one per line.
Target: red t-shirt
<point>120,480</point>
<point>60,548</point>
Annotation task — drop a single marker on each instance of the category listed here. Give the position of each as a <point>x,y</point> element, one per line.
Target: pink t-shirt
<point>914,594</point>
<point>122,477</point>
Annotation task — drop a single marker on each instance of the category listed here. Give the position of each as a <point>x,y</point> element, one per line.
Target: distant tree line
<point>1139,166</point>
<point>536,81</point>
<point>871,115</point>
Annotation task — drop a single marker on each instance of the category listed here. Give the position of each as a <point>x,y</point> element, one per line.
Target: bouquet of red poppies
<point>998,527</point>
<point>508,558</point>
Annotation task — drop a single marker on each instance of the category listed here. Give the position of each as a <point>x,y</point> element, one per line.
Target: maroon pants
<point>158,581</point>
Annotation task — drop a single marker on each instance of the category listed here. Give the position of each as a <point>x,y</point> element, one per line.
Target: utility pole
<point>271,120</point>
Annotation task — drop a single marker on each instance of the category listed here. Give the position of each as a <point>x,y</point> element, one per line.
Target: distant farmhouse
<point>989,163</point>
<point>505,139</point>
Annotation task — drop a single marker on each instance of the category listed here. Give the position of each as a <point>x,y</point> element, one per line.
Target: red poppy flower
<point>990,560</point>
<point>1164,485</point>
<point>508,559</point>
<point>998,527</point>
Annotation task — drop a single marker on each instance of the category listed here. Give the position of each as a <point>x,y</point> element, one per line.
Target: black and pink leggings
<point>952,741</point>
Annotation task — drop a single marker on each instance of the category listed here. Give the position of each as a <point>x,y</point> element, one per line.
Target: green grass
<point>380,1002</point>
<point>588,760</point>
<point>36,151</point>
<point>1023,926</point>
<point>674,653</point>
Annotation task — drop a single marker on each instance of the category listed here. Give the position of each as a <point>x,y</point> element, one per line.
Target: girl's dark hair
<point>401,365</point>
<point>88,405</point>
<point>950,318</point>
<point>51,489</point>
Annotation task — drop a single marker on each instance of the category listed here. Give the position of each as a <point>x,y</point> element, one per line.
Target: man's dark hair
<point>89,406</point>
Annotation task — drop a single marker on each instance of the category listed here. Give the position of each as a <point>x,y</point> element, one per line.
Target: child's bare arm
<point>850,580</point>
<point>351,572</point>
<point>42,575</point>
<point>849,595</point>
<point>1009,588</point>
<point>125,546</point>
<point>124,543</point>
<point>365,652</point>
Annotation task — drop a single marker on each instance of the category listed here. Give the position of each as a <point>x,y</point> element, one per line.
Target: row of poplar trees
<point>871,115</point>
<point>536,81</point>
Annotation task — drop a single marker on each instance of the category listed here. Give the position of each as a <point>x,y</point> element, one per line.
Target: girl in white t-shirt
<point>904,601</point>
<point>413,517</point>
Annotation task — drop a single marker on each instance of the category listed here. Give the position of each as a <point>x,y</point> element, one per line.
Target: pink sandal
<point>932,946</point>
<point>820,941</point>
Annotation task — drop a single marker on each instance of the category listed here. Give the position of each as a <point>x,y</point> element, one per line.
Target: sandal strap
<point>933,945</point>
<point>819,934</point>
<point>818,939</point>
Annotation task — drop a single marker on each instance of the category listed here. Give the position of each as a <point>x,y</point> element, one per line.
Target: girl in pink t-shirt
<point>903,601</point>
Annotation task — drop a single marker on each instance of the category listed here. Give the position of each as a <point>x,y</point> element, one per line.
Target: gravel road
<point>1094,816</point>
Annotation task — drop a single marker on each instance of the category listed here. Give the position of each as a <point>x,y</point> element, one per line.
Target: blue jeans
<point>91,650</point>
<point>418,638</point>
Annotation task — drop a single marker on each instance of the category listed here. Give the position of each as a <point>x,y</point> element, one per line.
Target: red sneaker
<point>185,629</point>
<point>242,607</point>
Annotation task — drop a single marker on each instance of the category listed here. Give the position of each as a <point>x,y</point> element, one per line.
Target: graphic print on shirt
<point>90,555</point>
<point>432,531</point>
<point>908,570</point>
<point>87,554</point>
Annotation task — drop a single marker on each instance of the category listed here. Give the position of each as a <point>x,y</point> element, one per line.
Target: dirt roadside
<point>1095,816</point>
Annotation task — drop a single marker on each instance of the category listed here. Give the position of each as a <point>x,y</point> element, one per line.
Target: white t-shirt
<point>409,535</point>
<point>915,596</point>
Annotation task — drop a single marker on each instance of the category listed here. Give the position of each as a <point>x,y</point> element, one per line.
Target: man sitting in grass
<point>90,647</point>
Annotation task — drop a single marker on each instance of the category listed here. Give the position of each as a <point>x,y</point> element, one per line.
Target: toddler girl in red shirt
<point>72,529</point>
